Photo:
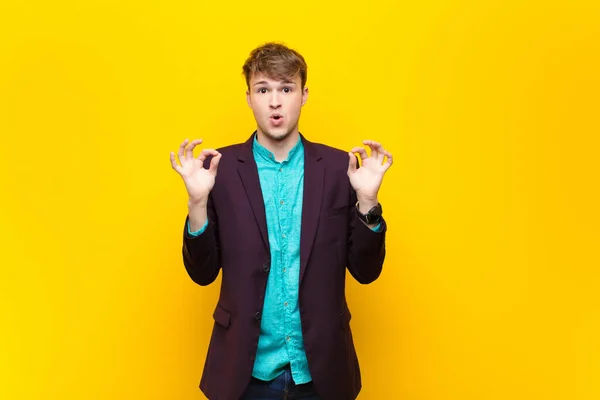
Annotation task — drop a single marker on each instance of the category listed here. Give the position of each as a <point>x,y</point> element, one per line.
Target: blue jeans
<point>280,388</point>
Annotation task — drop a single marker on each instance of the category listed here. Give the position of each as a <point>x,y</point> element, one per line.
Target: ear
<point>248,98</point>
<point>304,95</point>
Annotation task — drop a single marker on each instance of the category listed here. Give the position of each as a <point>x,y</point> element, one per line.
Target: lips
<point>276,119</point>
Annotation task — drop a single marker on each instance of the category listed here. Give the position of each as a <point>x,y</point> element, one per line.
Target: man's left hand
<point>367,179</point>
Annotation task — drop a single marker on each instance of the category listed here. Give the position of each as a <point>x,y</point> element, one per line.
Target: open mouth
<point>276,119</point>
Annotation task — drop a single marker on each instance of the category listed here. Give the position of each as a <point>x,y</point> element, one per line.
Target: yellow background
<point>491,108</point>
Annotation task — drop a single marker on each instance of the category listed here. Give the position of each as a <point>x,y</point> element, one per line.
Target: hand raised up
<point>367,179</point>
<point>198,180</point>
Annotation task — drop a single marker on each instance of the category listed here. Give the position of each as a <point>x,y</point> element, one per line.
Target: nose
<point>274,101</point>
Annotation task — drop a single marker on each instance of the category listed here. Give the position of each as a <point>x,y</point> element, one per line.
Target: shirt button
<point>280,169</point>
<point>266,268</point>
<point>285,304</point>
<point>281,202</point>
<point>257,315</point>
<point>283,235</point>
<point>287,338</point>
<point>285,269</point>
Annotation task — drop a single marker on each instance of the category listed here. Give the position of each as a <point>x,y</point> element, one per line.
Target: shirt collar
<point>262,152</point>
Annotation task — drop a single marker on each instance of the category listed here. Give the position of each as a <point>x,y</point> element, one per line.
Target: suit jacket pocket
<point>332,212</point>
<point>221,316</point>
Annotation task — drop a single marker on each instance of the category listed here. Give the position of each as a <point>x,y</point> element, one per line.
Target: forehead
<point>261,78</point>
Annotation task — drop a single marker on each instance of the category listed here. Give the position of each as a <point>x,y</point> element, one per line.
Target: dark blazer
<point>236,242</point>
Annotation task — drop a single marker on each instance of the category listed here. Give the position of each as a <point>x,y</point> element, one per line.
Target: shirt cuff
<point>198,232</point>
<point>377,228</point>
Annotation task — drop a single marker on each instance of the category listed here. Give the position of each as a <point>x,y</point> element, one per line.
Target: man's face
<point>276,105</point>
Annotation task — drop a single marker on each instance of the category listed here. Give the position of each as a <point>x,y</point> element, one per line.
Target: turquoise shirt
<point>280,342</point>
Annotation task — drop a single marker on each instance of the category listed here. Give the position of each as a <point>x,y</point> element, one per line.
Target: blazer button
<point>257,316</point>
<point>266,268</point>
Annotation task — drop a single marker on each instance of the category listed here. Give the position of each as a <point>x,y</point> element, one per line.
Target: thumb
<point>214,163</point>
<point>351,163</point>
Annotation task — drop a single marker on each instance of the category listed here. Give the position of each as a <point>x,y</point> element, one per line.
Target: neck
<point>279,148</point>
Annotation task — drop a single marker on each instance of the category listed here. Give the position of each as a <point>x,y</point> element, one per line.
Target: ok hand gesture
<point>367,179</point>
<point>198,180</point>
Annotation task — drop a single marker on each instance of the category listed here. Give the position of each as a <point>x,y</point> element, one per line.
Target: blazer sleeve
<point>202,250</point>
<point>366,247</point>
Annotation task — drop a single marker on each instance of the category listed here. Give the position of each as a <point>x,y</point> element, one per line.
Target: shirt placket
<point>283,207</point>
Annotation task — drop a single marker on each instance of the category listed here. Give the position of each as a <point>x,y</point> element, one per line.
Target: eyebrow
<point>286,82</point>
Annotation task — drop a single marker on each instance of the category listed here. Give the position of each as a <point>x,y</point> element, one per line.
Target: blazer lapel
<point>248,172</point>
<point>311,204</point>
<point>312,195</point>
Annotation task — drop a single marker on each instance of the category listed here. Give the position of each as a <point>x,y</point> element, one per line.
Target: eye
<point>287,89</point>
<point>262,90</point>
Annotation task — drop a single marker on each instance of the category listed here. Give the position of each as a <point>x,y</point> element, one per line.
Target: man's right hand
<point>198,180</point>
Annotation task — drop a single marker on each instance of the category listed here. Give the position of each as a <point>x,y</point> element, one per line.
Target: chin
<point>277,134</point>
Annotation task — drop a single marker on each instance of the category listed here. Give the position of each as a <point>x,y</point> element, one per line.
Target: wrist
<point>197,214</point>
<point>197,202</point>
<point>372,216</point>
<point>366,203</point>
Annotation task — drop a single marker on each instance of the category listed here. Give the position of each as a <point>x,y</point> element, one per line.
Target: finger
<point>189,151</point>
<point>352,163</point>
<point>375,148</point>
<point>174,164</point>
<point>214,163</point>
<point>389,162</point>
<point>207,152</point>
<point>361,151</point>
<point>181,151</point>
<point>382,153</point>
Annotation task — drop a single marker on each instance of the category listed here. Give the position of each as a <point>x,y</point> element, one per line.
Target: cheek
<point>258,109</point>
<point>295,106</point>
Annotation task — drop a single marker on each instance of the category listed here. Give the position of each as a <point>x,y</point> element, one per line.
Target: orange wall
<point>490,288</point>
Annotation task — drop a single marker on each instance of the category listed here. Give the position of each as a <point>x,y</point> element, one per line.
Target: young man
<point>283,218</point>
